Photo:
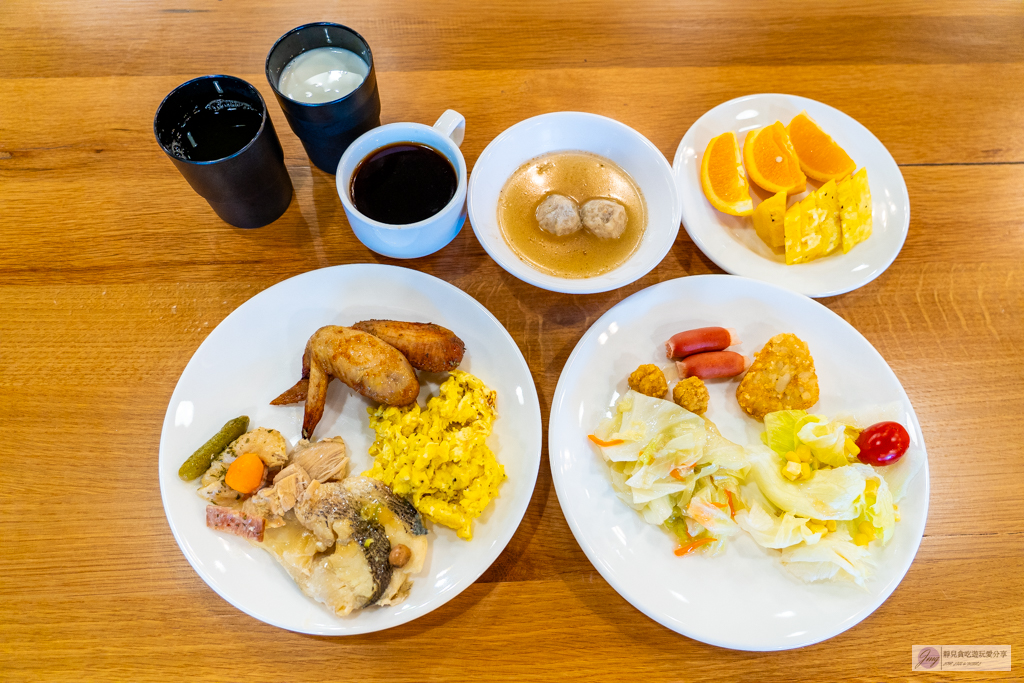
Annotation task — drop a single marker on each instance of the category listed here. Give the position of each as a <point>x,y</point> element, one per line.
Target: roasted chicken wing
<point>370,366</point>
<point>428,347</point>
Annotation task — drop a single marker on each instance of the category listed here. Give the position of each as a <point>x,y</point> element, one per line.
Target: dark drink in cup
<point>217,132</point>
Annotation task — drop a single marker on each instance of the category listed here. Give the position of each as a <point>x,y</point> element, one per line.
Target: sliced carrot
<point>246,473</point>
<point>605,444</point>
<point>677,473</point>
<point>720,506</point>
<point>732,505</point>
<point>693,545</point>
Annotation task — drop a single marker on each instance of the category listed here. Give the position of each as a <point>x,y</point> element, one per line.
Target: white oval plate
<point>730,241</point>
<point>255,354</point>
<point>573,130</point>
<point>743,599</point>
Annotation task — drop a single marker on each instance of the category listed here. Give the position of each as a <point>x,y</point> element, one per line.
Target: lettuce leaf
<point>774,531</point>
<point>829,494</point>
<point>827,441</point>
<point>781,428</point>
<point>715,519</point>
<point>881,513</point>
<point>833,557</point>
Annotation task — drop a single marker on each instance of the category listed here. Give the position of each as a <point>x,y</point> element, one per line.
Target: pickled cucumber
<point>199,461</point>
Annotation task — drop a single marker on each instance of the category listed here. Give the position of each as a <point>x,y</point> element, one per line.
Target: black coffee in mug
<point>403,183</point>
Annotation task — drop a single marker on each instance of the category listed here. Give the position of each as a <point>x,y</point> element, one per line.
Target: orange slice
<point>771,161</point>
<point>722,177</point>
<point>820,157</point>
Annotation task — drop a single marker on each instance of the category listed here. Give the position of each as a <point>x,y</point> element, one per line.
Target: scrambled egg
<point>437,456</point>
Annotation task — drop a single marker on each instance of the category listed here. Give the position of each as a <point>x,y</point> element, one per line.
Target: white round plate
<point>730,241</point>
<point>573,130</point>
<point>743,599</point>
<point>255,354</point>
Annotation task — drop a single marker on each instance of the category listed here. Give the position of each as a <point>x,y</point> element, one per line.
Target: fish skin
<point>326,507</point>
<point>429,347</point>
<point>366,491</point>
<point>376,547</point>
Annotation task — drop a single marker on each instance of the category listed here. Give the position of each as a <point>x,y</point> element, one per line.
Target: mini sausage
<point>711,365</point>
<point>699,341</point>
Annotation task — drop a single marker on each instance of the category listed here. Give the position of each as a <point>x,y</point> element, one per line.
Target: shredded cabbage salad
<point>802,494</point>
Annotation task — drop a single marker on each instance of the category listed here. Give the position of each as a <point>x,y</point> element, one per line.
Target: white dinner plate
<point>730,241</point>
<point>743,599</point>
<point>255,354</point>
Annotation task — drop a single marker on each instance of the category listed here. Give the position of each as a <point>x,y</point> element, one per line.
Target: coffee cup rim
<point>210,162</point>
<point>342,183</point>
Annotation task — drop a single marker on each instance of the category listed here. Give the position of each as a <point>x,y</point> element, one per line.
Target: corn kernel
<point>896,511</point>
<point>816,528</point>
<point>861,539</point>
<point>805,470</point>
<point>804,451</point>
<point>792,457</point>
<point>871,486</point>
<point>867,529</point>
<point>851,447</point>
<point>791,470</point>
<point>830,525</point>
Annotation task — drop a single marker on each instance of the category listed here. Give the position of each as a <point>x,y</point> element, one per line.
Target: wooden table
<point>112,271</point>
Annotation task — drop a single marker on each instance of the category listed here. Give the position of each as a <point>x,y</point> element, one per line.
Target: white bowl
<point>570,130</point>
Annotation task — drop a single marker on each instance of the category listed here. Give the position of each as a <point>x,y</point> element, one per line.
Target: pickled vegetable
<point>199,461</point>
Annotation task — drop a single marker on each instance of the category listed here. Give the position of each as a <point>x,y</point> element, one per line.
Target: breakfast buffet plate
<point>254,354</point>
<point>744,598</point>
<point>730,241</point>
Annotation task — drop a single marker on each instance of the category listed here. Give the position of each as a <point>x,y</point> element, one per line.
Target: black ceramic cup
<point>217,131</point>
<point>326,129</point>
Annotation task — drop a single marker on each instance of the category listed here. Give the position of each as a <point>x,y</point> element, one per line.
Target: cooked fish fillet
<point>428,347</point>
<point>335,519</point>
<point>335,539</point>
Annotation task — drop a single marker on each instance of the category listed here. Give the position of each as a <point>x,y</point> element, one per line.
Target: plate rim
<point>573,285</point>
<point>439,600</point>
<point>678,165</point>
<point>559,396</point>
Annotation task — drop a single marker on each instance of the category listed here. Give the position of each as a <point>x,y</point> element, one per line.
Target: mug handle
<point>452,124</point>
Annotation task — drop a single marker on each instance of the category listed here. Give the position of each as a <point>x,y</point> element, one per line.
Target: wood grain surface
<point>112,272</point>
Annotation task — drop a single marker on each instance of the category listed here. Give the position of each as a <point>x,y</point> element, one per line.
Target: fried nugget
<point>691,394</point>
<point>781,377</point>
<point>649,380</point>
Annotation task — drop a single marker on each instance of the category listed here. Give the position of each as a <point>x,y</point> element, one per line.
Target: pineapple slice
<point>855,209</point>
<point>803,241</point>
<point>769,220</point>
<point>828,201</point>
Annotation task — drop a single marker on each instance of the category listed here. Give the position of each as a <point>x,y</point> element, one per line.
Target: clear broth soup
<point>582,176</point>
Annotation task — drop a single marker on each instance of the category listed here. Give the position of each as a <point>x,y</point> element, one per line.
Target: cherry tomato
<point>883,443</point>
